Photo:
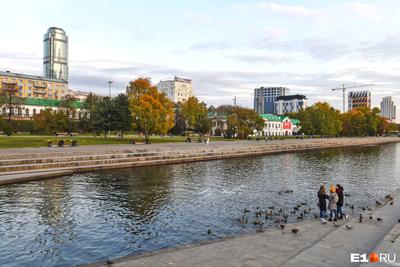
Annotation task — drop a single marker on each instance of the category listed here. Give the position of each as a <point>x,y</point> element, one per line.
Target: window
<point>27,112</point>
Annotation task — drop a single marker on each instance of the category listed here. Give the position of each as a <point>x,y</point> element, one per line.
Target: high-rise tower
<point>55,54</point>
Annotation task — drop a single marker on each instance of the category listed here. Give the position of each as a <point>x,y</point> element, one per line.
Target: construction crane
<point>344,88</point>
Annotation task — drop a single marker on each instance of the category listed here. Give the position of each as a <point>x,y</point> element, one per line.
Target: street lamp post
<point>109,88</point>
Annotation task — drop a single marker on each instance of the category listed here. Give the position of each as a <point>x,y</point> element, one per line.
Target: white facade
<point>27,112</point>
<point>289,104</point>
<point>78,95</point>
<point>178,89</point>
<point>388,109</point>
<point>279,125</point>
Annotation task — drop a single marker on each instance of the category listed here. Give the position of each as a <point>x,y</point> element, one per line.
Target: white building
<point>279,125</point>
<point>290,103</point>
<point>178,89</point>
<point>33,106</point>
<point>78,95</point>
<point>265,97</point>
<point>388,108</point>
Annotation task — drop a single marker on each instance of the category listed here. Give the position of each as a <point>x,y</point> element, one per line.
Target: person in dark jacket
<point>339,191</point>
<point>322,197</point>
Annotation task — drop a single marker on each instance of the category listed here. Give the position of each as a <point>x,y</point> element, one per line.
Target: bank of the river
<point>315,244</point>
<point>20,165</point>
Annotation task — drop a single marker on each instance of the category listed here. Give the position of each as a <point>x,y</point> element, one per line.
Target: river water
<point>101,215</point>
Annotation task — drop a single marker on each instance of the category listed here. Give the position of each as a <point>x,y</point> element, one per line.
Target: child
<point>332,206</point>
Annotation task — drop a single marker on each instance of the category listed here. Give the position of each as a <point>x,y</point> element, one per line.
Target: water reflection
<point>93,216</point>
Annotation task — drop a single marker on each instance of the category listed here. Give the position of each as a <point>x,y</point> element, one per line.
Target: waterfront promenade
<point>316,244</point>
<point>25,164</point>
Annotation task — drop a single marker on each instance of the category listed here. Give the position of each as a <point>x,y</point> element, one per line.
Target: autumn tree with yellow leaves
<point>152,112</point>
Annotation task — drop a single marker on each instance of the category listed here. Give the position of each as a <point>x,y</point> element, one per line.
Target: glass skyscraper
<point>55,54</point>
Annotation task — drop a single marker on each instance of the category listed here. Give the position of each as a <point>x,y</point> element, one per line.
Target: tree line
<point>144,109</point>
<point>324,120</point>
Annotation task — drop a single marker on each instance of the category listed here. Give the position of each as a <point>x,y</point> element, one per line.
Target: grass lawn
<point>16,141</point>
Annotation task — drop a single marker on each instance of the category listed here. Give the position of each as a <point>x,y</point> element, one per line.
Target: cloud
<point>366,10</point>
<point>271,7</point>
<point>195,19</point>
<point>263,58</point>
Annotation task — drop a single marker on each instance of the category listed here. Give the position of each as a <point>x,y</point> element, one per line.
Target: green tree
<point>121,115</point>
<point>50,121</point>
<point>101,118</point>
<point>242,122</point>
<point>195,115</point>
<point>88,109</point>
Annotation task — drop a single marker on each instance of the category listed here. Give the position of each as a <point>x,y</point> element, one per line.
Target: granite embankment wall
<point>30,164</point>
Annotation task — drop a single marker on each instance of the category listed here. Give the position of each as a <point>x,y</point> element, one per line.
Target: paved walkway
<point>316,244</point>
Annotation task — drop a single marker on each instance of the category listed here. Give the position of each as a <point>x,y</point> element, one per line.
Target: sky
<point>227,48</point>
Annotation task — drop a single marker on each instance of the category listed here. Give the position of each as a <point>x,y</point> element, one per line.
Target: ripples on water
<point>95,216</point>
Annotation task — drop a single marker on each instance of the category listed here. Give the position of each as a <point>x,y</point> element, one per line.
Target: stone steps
<point>122,156</point>
<point>68,161</point>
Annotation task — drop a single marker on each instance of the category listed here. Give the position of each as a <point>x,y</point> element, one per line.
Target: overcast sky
<point>226,47</point>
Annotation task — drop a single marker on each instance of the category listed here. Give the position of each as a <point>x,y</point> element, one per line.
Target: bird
<point>391,203</point>
<point>352,207</point>
<point>388,196</point>
<point>258,213</point>
<point>363,208</point>
<point>323,221</point>
<point>110,262</point>
<point>257,222</point>
<point>282,226</point>
<point>348,227</point>
<point>246,210</point>
<point>369,208</point>
<point>347,195</point>
<point>295,230</point>
<point>260,229</point>
<point>242,220</point>
<point>209,231</point>
<point>378,202</point>
<point>361,218</point>
<point>336,225</point>
<point>271,208</point>
<point>370,217</point>
<point>379,219</point>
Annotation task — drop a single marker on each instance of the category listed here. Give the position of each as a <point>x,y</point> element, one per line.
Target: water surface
<point>95,216</point>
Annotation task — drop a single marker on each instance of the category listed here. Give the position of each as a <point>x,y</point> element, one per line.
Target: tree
<point>151,111</point>
<point>121,116</point>
<point>321,119</point>
<point>88,109</point>
<point>101,118</point>
<point>180,123</point>
<point>243,121</point>
<point>9,98</point>
<point>50,121</point>
<point>195,115</point>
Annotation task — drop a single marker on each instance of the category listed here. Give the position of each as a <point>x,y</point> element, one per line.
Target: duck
<point>378,202</point>
<point>295,230</point>
<point>246,210</point>
<point>379,219</point>
<point>348,227</point>
<point>209,231</point>
<point>282,226</point>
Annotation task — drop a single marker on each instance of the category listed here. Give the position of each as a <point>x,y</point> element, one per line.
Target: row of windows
<point>26,112</point>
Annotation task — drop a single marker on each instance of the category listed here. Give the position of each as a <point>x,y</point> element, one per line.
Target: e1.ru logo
<point>373,257</point>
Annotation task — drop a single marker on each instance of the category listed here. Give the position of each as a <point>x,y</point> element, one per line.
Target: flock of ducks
<point>278,216</point>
